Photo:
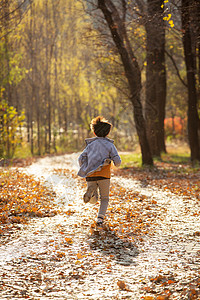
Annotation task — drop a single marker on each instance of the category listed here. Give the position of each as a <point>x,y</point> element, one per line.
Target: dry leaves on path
<point>127,259</point>
<point>179,179</point>
<point>22,197</point>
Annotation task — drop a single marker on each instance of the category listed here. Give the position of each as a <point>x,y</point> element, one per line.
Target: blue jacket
<point>99,152</point>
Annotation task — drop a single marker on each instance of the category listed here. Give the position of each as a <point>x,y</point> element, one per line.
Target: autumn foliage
<point>22,197</point>
<point>74,249</point>
<point>175,126</point>
<point>182,180</point>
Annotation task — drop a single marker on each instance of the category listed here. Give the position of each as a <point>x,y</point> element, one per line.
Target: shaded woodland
<point>64,62</point>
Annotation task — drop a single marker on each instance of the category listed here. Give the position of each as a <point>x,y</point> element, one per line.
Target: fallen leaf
<point>69,240</point>
<point>121,285</point>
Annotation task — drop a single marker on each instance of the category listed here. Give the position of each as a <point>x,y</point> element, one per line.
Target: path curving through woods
<point>64,257</point>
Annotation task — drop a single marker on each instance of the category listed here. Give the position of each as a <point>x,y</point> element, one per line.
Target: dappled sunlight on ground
<point>147,249</point>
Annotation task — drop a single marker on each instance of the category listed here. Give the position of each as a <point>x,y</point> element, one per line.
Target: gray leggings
<point>104,187</point>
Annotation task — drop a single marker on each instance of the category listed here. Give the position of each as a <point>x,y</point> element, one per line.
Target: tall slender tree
<point>193,118</point>
<point>155,77</point>
<point>132,71</point>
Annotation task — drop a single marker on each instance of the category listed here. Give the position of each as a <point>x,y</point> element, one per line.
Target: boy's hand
<point>107,161</point>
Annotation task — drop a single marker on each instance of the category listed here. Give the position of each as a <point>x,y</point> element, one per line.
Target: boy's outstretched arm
<point>117,160</point>
<point>115,157</point>
<point>82,158</point>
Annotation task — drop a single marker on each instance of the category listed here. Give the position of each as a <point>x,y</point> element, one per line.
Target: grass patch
<point>176,154</point>
<point>176,158</point>
<point>130,160</point>
<point>23,151</point>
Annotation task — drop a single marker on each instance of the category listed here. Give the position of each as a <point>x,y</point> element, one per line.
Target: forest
<point>129,229</point>
<point>63,62</point>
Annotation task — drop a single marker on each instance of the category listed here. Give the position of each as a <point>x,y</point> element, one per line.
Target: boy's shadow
<point>110,244</point>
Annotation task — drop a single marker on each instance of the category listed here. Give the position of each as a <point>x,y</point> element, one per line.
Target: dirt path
<point>61,257</point>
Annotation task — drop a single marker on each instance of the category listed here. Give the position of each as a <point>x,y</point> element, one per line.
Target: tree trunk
<point>132,72</point>
<point>155,78</point>
<point>1,134</point>
<point>6,11</point>
<point>195,16</point>
<point>193,119</point>
<point>32,82</point>
<point>35,76</point>
<point>47,81</point>
<point>65,117</point>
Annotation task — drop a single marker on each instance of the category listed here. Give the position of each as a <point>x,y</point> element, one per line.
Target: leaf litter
<point>148,248</point>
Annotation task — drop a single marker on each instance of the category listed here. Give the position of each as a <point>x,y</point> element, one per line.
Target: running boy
<point>95,164</point>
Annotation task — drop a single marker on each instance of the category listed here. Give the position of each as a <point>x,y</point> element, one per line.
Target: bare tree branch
<point>141,5</point>
<point>13,11</point>
<point>124,11</point>
<point>176,68</point>
<point>19,21</point>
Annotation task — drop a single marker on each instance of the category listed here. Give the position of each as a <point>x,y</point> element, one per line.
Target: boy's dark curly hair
<point>100,126</point>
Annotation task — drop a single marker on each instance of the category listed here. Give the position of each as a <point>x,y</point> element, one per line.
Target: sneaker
<point>99,221</point>
<point>88,195</point>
